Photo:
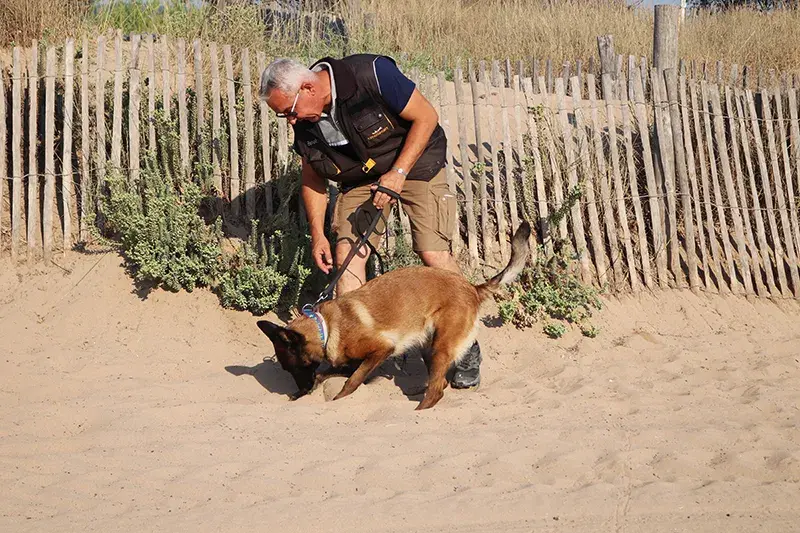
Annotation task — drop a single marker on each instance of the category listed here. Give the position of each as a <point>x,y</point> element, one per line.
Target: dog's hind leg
<point>448,344</point>
<point>363,371</point>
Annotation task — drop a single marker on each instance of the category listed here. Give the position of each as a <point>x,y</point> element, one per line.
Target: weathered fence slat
<point>266,151</point>
<point>742,196</point>
<point>644,253</point>
<point>541,195</point>
<point>16,151</point>
<point>508,160</point>
<point>134,104</point>
<point>755,262</point>
<point>713,244</point>
<point>685,106</point>
<point>86,147</point>
<point>584,159</point>
<point>200,97</point>
<point>732,200</point>
<point>657,225</point>
<point>477,104</point>
<point>49,153</point>
<point>151,94</point>
<point>183,115</point>
<point>794,129</point>
<point>709,185</point>
<point>763,245</point>
<point>602,177</point>
<point>572,176</point>
<point>666,153</point>
<point>495,141</point>
<point>166,75</point>
<point>779,194</point>
<point>32,220</point>
<point>216,119</point>
<point>249,137</point>
<point>3,143</point>
<point>100,121</point>
<point>450,169</point>
<point>66,152</point>
<point>682,173</point>
<point>553,155</point>
<point>466,173</point>
<point>524,181</point>
<point>716,199</point>
<point>787,169</point>
<point>233,132</point>
<point>619,191</point>
<point>767,192</point>
<point>116,124</point>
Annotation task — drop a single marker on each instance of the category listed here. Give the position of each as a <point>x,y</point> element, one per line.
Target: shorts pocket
<point>445,214</point>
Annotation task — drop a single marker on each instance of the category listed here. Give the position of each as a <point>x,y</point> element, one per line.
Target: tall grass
<point>426,30</point>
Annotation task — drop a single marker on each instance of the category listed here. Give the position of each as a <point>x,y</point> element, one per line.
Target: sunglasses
<point>291,113</point>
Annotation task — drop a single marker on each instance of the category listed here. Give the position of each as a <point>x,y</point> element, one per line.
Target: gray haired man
<point>360,122</point>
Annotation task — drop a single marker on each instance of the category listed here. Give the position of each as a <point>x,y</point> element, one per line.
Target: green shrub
<point>161,232</point>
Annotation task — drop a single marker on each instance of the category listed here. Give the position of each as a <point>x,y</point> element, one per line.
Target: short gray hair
<point>284,74</point>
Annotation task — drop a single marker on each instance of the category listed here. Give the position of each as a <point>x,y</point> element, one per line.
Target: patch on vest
<point>378,132</point>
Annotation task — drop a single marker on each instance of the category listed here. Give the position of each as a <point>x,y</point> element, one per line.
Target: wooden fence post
<point>576,216</point>
<point>249,138</point>
<point>49,200</point>
<point>3,140</point>
<point>763,245</point>
<point>596,232</point>
<point>32,220</point>
<point>116,124</point>
<point>480,150</point>
<point>66,154</point>
<point>671,82</point>
<point>183,112</point>
<point>234,131</point>
<point>658,232</point>
<point>16,151</point>
<point>466,171</point>
<point>86,143</point>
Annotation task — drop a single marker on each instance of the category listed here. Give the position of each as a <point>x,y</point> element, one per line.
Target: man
<point>359,121</point>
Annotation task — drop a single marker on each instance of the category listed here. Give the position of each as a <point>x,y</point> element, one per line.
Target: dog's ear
<point>279,335</point>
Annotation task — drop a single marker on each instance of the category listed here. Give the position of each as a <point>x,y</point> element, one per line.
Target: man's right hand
<point>321,251</point>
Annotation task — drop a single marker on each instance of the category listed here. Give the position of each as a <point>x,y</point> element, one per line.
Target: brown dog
<point>388,315</point>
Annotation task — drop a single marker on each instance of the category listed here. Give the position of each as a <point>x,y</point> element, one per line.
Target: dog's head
<point>290,349</point>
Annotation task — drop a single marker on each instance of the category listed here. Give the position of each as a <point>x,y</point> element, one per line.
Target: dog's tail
<point>520,248</point>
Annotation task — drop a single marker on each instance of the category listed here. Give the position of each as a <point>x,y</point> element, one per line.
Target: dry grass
<point>23,20</point>
<point>429,30</point>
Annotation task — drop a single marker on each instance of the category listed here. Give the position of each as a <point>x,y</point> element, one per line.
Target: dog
<point>388,315</point>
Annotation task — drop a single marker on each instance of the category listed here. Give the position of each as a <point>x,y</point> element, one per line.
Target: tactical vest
<point>375,132</point>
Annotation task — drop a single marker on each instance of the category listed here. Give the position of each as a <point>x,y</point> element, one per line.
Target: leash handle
<point>389,192</point>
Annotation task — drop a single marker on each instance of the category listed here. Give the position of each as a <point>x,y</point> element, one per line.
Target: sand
<point>128,410</point>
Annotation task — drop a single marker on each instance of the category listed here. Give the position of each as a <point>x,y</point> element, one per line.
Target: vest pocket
<point>374,127</point>
<point>322,164</point>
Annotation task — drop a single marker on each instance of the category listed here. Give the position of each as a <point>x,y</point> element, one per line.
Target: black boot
<point>468,370</point>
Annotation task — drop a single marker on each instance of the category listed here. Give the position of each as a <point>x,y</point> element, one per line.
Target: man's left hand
<point>391,180</point>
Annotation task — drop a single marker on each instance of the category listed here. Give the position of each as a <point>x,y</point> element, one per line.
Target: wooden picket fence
<point>673,179</point>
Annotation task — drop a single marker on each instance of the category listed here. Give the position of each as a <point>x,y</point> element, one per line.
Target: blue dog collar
<point>322,327</point>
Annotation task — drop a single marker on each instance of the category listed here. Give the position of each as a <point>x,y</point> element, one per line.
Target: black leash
<point>363,239</point>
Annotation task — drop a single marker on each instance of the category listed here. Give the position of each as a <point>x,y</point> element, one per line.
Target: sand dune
<point>125,411</point>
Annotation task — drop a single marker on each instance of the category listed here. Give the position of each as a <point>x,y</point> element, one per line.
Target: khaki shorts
<point>430,207</point>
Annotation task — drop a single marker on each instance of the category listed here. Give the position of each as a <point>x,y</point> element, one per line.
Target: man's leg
<point>356,273</point>
<point>348,229</point>
<point>431,210</point>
